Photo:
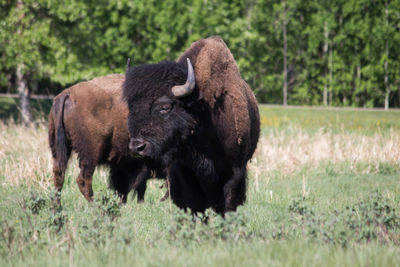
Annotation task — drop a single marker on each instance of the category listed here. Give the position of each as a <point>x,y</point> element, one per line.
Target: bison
<point>200,125</point>
<point>90,118</point>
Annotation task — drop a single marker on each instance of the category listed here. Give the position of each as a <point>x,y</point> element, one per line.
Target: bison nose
<point>138,146</point>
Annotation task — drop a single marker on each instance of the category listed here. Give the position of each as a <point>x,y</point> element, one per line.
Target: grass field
<point>323,190</point>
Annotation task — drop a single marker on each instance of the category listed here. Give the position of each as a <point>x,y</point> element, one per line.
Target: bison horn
<point>187,88</point>
<point>128,66</point>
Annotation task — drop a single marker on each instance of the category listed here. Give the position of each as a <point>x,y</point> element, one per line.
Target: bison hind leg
<point>58,176</point>
<point>84,180</point>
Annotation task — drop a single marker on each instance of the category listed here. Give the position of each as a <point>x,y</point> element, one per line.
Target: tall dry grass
<point>25,157</point>
<point>287,152</point>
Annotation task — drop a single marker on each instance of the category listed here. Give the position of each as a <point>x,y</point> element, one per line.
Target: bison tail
<point>60,143</point>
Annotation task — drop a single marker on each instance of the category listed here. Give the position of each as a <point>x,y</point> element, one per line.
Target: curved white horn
<point>187,88</point>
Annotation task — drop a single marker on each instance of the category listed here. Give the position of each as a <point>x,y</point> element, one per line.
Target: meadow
<point>323,190</point>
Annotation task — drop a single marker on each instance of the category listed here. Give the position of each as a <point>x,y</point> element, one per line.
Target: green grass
<point>338,120</point>
<point>105,234</point>
<point>272,117</point>
<point>328,213</point>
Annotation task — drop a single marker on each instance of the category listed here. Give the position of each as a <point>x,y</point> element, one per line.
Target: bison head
<point>162,100</point>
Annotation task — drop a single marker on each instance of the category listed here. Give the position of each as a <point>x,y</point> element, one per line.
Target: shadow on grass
<point>9,109</point>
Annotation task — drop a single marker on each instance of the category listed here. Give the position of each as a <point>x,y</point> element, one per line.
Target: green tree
<point>21,33</point>
<point>342,53</point>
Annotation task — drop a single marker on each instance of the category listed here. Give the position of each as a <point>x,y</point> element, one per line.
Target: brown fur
<point>228,95</point>
<point>94,118</point>
<point>223,88</point>
<point>100,108</point>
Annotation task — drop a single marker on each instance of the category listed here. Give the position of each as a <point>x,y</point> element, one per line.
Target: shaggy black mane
<point>201,141</point>
<point>153,79</point>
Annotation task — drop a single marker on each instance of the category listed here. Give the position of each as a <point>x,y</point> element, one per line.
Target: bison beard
<point>192,141</point>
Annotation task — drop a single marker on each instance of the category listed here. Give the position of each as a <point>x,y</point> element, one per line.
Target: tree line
<point>325,52</point>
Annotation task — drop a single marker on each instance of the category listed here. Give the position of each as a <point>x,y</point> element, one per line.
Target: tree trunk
<point>398,97</point>
<point>330,75</point>
<point>23,91</point>
<point>357,83</point>
<point>325,51</point>
<point>325,94</point>
<point>387,85</point>
<point>9,82</point>
<point>398,90</point>
<point>285,74</point>
<point>21,80</point>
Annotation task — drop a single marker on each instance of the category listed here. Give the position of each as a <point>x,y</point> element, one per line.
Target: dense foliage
<point>340,53</point>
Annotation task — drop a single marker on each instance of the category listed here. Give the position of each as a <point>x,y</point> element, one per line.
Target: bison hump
<point>219,80</point>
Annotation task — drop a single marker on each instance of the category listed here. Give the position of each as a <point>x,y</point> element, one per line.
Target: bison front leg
<point>84,181</point>
<point>185,190</point>
<point>167,187</point>
<point>140,185</point>
<point>120,178</point>
<point>235,189</point>
<point>127,176</point>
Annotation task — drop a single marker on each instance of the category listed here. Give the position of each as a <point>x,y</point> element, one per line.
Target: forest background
<point>326,52</point>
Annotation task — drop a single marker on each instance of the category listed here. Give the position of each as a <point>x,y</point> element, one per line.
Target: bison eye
<point>165,108</point>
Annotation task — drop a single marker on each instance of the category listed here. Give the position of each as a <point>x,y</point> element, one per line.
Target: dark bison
<point>201,125</point>
<point>90,118</point>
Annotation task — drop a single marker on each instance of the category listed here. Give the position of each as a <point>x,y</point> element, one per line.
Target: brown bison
<point>90,118</point>
<point>201,126</point>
